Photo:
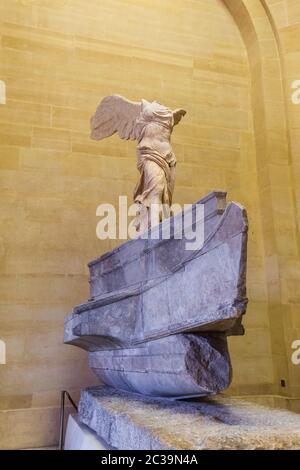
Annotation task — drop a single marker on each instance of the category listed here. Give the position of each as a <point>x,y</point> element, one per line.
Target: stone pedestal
<point>160,313</point>
<point>128,421</point>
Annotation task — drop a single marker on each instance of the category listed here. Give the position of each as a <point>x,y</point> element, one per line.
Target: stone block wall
<point>58,58</point>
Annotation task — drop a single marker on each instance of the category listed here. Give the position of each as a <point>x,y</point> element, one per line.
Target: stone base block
<point>80,437</point>
<point>128,421</point>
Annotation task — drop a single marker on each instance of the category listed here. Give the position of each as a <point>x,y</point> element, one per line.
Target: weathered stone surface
<point>129,421</point>
<point>121,264</point>
<point>184,364</point>
<point>160,314</point>
<point>165,289</point>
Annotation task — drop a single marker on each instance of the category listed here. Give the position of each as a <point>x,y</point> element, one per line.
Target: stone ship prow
<point>159,315</point>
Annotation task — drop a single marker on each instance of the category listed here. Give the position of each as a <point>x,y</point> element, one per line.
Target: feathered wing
<point>178,115</point>
<point>115,114</point>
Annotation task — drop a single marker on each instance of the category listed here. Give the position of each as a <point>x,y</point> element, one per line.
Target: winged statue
<point>151,125</point>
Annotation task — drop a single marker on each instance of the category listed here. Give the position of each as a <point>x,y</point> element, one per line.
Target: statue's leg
<point>142,222</point>
<point>151,197</point>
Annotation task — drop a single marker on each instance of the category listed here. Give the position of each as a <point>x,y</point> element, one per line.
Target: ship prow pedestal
<point>159,315</point>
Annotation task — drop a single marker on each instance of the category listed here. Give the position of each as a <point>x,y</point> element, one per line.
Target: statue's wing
<point>115,114</point>
<point>178,115</point>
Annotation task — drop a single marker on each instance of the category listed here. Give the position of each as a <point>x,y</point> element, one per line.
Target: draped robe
<point>155,162</point>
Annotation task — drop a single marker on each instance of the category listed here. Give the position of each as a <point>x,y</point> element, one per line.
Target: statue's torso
<point>155,136</point>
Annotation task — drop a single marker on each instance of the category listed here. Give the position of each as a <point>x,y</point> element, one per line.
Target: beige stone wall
<point>285,19</point>
<point>270,31</point>
<point>58,58</point>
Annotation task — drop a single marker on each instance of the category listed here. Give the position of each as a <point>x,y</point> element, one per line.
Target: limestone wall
<point>58,58</point>
<point>270,30</point>
<point>285,19</point>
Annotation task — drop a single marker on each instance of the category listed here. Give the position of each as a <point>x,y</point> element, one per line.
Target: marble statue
<point>151,124</point>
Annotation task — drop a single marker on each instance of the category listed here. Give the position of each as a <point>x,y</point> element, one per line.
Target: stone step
<point>129,421</point>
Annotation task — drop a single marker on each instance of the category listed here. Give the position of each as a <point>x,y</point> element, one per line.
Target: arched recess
<point>274,180</point>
